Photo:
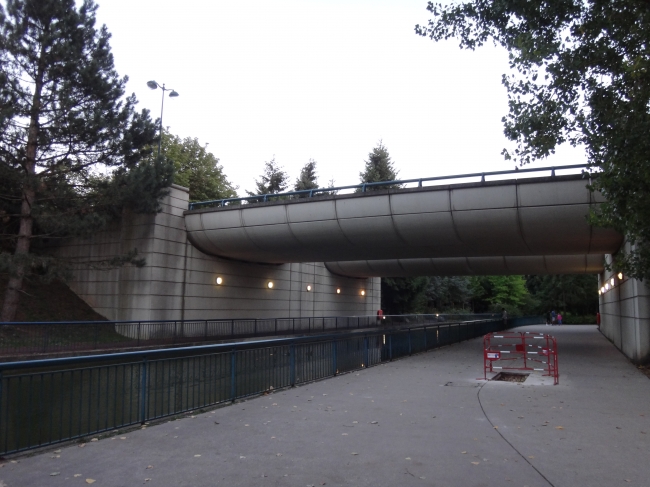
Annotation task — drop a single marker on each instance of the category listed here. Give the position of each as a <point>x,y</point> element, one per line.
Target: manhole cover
<point>510,377</point>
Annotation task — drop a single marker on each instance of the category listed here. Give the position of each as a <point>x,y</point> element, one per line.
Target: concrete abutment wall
<point>625,314</point>
<point>179,281</point>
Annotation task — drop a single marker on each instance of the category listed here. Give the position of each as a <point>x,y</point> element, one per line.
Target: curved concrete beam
<point>470,266</point>
<point>528,217</point>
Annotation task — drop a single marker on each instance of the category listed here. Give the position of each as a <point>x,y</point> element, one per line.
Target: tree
<point>379,167</point>
<point>307,178</point>
<point>272,180</point>
<point>490,293</point>
<point>197,169</point>
<point>582,76</point>
<point>71,147</point>
<point>403,295</point>
<point>573,293</point>
<point>448,292</point>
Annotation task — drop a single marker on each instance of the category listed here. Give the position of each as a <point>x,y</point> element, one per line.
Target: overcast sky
<point>319,79</point>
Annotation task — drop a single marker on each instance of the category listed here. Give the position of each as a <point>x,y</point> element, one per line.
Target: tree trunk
<point>23,241</point>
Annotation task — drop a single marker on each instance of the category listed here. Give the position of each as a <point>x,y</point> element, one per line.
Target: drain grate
<point>510,377</point>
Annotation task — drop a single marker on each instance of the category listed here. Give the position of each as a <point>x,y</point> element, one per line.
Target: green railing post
<point>335,367</point>
<point>139,324</point>
<point>233,368</point>
<point>409,341</point>
<point>425,337</point>
<point>206,329</point>
<point>143,391</point>
<point>292,364</point>
<point>365,344</point>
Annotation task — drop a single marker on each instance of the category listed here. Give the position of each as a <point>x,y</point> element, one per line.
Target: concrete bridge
<point>521,226</point>
<point>314,253</point>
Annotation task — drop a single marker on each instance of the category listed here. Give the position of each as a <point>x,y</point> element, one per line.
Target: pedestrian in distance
<point>548,318</point>
<point>559,319</point>
<point>553,317</point>
<point>504,315</point>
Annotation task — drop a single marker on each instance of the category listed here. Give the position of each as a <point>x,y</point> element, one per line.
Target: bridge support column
<point>625,315</point>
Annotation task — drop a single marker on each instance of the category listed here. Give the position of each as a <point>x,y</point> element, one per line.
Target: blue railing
<point>28,338</point>
<point>44,402</point>
<point>309,193</point>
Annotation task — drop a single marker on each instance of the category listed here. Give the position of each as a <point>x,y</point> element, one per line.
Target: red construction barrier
<point>520,351</point>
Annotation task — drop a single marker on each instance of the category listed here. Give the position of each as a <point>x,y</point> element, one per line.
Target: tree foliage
<point>307,178</point>
<point>71,146</point>
<point>403,295</point>
<point>272,180</point>
<point>379,167</point>
<point>448,292</point>
<point>577,294</point>
<point>581,74</point>
<point>196,168</point>
<point>491,293</point>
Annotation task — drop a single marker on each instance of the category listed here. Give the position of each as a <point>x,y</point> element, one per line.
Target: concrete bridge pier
<point>625,313</point>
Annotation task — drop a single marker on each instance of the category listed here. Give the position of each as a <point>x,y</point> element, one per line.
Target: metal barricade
<point>520,351</point>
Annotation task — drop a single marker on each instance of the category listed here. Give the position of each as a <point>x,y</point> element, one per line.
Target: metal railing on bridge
<point>44,402</point>
<point>362,188</point>
<point>56,337</point>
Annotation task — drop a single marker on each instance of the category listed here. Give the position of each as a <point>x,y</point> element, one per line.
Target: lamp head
<point>152,84</point>
<point>173,94</point>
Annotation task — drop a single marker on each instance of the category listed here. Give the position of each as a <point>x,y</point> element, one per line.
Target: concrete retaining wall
<point>179,281</point>
<point>625,315</point>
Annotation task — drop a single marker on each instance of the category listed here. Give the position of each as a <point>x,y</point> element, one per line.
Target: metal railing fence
<point>362,188</point>
<point>44,402</point>
<point>55,337</point>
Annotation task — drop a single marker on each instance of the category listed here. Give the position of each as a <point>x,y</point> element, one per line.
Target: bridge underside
<point>469,266</point>
<point>527,226</point>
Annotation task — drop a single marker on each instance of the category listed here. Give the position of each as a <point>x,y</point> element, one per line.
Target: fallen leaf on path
<point>354,453</point>
<point>149,467</point>
<point>344,434</point>
<point>476,463</point>
<point>559,427</point>
<point>463,452</point>
<point>196,456</point>
<point>90,481</point>
<point>82,445</point>
<point>95,439</point>
<point>374,422</point>
<point>77,475</point>
<point>531,456</point>
<point>57,451</point>
<point>278,454</point>
<point>54,474</point>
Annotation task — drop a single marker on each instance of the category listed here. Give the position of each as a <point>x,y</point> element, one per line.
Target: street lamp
<point>172,94</point>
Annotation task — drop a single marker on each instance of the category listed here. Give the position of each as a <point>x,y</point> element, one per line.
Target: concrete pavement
<point>421,421</point>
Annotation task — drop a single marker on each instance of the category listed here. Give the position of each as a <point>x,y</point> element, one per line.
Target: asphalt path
<point>421,421</point>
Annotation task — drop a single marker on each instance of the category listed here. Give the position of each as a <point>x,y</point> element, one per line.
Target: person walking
<point>504,315</point>
<point>559,319</point>
<point>553,317</point>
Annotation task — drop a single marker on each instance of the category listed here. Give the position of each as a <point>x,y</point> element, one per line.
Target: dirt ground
<point>50,302</point>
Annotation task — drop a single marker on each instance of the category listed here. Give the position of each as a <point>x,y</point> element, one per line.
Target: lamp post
<point>172,94</point>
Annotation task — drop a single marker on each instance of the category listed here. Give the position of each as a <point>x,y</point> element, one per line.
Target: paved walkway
<point>397,424</point>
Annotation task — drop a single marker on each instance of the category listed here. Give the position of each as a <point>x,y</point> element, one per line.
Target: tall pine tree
<point>379,167</point>
<point>272,180</point>
<point>307,178</point>
<point>71,146</point>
